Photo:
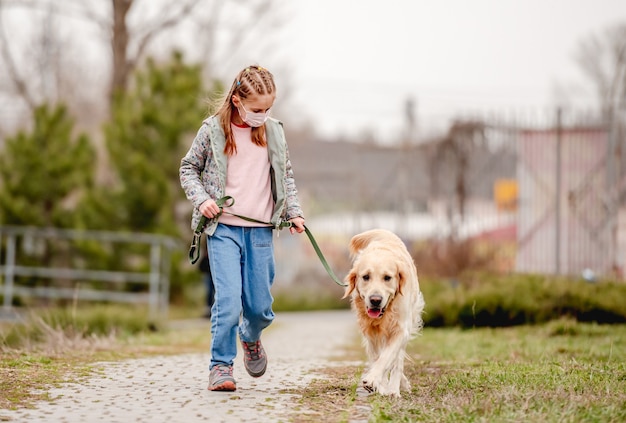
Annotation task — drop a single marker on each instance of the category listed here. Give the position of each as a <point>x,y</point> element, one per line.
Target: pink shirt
<point>248,181</point>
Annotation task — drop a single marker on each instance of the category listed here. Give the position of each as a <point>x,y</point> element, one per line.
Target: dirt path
<point>173,388</point>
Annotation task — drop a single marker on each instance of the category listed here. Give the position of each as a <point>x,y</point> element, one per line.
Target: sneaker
<point>221,378</point>
<point>254,359</point>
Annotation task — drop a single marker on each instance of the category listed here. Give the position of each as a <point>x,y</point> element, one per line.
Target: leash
<point>227,201</point>
<point>321,257</point>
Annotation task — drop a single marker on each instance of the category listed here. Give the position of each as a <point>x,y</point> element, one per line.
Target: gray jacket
<point>203,172</point>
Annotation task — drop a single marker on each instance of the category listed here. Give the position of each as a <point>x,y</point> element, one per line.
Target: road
<point>173,388</point>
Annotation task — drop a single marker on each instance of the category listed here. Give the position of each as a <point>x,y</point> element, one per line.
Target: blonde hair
<point>253,80</point>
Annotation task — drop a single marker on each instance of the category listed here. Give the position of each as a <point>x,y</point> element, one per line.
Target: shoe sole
<point>226,386</point>
<point>261,373</point>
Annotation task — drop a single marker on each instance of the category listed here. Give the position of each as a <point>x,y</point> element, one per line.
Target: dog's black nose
<point>375,300</point>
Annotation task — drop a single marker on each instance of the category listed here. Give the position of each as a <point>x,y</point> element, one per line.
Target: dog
<point>385,295</point>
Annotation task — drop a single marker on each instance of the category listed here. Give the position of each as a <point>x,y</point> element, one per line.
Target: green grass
<point>559,372</point>
<point>45,325</point>
<point>562,371</point>
<point>58,345</point>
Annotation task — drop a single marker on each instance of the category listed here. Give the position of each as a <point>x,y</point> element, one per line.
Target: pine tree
<point>44,172</point>
<point>151,124</point>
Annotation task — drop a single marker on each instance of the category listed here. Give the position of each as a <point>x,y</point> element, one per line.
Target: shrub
<point>495,301</point>
<point>65,325</point>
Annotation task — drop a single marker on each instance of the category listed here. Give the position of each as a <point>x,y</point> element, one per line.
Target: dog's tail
<point>362,240</point>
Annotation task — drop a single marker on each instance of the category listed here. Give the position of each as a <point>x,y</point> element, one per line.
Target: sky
<point>356,63</point>
<point>350,67</point>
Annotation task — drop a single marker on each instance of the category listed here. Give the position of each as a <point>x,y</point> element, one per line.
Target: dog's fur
<point>387,300</point>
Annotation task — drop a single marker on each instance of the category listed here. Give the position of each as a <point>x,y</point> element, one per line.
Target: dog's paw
<point>368,386</point>
<point>383,389</point>
<point>363,393</point>
<point>369,383</point>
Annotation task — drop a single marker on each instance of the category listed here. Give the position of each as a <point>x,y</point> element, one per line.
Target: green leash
<point>321,257</point>
<point>227,201</point>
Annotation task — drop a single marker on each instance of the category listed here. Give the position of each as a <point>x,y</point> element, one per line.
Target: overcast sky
<point>355,63</point>
<point>351,65</point>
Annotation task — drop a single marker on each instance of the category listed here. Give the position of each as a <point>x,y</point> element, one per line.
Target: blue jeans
<point>209,298</point>
<point>242,267</point>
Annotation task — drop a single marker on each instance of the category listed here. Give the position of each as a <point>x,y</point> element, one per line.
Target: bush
<point>59,325</point>
<point>497,301</point>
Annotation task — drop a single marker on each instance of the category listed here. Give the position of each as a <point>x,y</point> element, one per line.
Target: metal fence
<point>34,254</point>
<point>546,189</point>
<point>567,174</point>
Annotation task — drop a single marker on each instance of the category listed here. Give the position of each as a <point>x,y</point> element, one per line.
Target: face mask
<point>253,119</point>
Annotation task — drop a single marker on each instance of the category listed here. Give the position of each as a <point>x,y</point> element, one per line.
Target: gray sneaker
<point>254,358</point>
<point>221,378</point>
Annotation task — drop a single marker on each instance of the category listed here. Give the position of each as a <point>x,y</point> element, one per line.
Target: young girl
<point>241,152</point>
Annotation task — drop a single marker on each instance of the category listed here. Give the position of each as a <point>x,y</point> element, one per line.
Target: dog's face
<point>377,277</point>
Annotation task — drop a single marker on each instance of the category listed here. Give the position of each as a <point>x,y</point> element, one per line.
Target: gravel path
<point>173,388</point>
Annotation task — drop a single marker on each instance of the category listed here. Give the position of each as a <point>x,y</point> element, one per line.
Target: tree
<point>149,130</point>
<point>151,125</point>
<point>43,173</point>
<point>602,59</point>
<point>131,30</point>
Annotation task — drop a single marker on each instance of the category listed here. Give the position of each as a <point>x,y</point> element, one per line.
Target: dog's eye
<point>387,278</point>
<point>366,277</point>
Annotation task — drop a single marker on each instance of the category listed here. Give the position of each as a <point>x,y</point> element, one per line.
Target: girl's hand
<point>297,225</point>
<point>209,208</point>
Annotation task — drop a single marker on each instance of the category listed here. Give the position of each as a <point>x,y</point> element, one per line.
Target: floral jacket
<point>203,172</point>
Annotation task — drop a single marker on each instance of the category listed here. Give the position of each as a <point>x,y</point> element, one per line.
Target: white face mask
<point>253,119</point>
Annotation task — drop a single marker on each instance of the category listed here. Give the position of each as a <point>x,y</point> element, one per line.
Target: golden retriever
<point>387,300</point>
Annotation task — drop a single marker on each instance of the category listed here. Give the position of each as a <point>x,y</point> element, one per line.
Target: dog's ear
<point>401,280</point>
<point>405,270</point>
<point>351,281</point>
<point>359,242</point>
<point>402,275</point>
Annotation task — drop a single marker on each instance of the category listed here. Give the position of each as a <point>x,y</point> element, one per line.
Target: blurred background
<point>487,134</point>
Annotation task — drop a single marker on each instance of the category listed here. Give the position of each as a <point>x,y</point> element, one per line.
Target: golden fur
<point>385,295</point>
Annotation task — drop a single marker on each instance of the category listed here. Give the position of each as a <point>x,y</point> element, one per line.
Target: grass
<point>562,371</point>
<point>24,376</point>
<point>55,347</point>
<point>558,372</point>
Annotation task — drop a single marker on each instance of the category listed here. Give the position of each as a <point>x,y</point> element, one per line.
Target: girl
<point>241,152</point>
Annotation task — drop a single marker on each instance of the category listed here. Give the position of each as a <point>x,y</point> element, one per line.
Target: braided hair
<point>253,80</point>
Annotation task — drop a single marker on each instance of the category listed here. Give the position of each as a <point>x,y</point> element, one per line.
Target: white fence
<point>17,239</point>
